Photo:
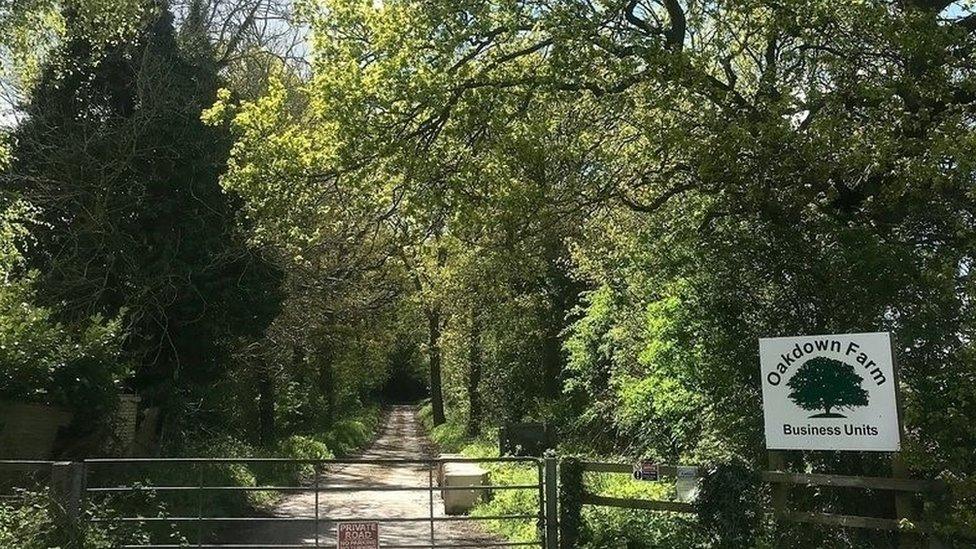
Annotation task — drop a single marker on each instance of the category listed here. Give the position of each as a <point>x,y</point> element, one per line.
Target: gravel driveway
<point>400,438</point>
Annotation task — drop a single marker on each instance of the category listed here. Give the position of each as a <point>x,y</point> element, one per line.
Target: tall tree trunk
<point>434,328</point>
<point>434,348</point>
<point>326,380</point>
<point>552,358</point>
<point>474,376</point>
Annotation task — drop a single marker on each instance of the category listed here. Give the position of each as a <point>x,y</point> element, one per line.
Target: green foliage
<point>640,530</point>
<point>510,502</point>
<point>31,30</point>
<point>450,436</point>
<point>4,150</point>
<point>301,447</point>
<point>145,233</point>
<point>731,505</point>
<point>348,435</point>
<point>34,520</point>
<point>14,217</point>
<point>584,212</point>
<point>351,434</point>
<point>608,527</point>
<point>43,361</point>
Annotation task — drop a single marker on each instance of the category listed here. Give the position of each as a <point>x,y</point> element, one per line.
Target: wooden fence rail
<point>847,481</point>
<point>781,481</point>
<point>632,503</point>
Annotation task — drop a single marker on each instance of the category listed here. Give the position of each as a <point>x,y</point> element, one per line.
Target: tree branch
<point>679,25</point>
<point>658,202</point>
<point>968,23</point>
<point>642,24</point>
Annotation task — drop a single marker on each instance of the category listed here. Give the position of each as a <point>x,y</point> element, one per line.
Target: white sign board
<point>686,483</point>
<point>830,392</point>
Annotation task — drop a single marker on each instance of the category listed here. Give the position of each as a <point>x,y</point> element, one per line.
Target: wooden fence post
<point>899,469</point>
<point>570,502</point>
<point>781,491</point>
<point>904,506</point>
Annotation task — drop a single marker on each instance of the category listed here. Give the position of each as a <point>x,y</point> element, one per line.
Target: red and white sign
<point>646,470</point>
<point>359,535</point>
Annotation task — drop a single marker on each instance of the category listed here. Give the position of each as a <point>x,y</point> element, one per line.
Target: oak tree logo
<point>827,384</point>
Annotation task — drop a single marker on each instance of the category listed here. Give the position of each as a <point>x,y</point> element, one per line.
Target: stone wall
<point>28,431</point>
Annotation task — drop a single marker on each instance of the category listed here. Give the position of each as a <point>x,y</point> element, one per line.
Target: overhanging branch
<point>658,202</point>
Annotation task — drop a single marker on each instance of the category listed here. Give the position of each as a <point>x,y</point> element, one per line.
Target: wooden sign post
<point>904,509</point>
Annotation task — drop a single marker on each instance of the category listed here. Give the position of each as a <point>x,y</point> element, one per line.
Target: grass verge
<point>604,528</point>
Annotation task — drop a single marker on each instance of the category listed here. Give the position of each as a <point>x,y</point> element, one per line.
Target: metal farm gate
<point>181,502</point>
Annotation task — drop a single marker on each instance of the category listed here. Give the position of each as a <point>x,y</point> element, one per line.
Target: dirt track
<point>400,438</point>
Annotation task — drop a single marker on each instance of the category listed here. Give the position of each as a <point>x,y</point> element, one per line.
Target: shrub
<point>511,502</point>
<point>347,435</point>
<point>604,527</point>
<point>44,362</point>
<point>300,447</point>
<point>730,504</point>
<point>449,437</point>
<point>36,521</point>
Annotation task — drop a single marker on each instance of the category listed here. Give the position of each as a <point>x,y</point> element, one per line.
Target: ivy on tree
<point>825,384</point>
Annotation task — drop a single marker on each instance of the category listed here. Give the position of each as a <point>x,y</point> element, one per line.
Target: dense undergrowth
<point>603,527</point>
<point>37,521</point>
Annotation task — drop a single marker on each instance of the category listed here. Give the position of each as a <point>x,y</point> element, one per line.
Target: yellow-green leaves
<point>13,231</point>
<point>30,30</point>
<point>5,151</point>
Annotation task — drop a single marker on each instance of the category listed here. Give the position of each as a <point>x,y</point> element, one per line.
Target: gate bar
<point>150,488</point>
<point>201,462</point>
<point>541,521</point>
<point>459,518</point>
<point>199,507</point>
<point>552,509</point>
<point>316,473</point>
<point>430,485</point>
<point>283,546</point>
<point>337,461</point>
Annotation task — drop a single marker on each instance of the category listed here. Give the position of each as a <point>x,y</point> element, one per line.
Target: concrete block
<point>441,466</point>
<point>457,502</point>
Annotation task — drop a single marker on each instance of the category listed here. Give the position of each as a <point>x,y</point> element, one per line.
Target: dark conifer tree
<point>126,176</point>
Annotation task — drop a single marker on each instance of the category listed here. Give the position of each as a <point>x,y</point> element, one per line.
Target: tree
<point>825,383</point>
<point>132,220</point>
<point>331,234</point>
